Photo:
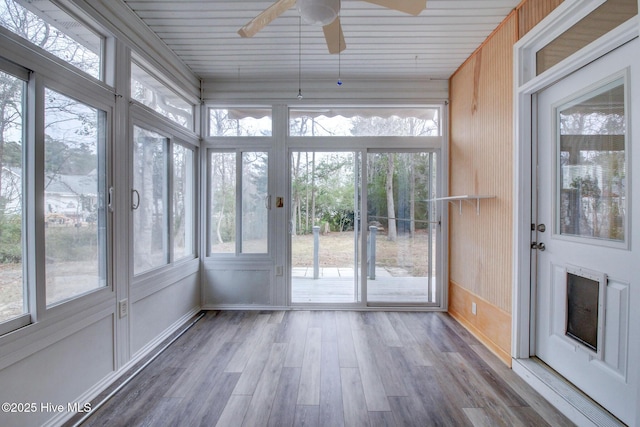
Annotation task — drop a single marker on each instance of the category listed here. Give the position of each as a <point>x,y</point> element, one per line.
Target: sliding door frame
<point>364,145</point>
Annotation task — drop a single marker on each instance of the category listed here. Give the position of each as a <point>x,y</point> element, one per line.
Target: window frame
<point>44,73</point>
<point>146,119</point>
<point>108,111</point>
<point>23,319</point>
<point>238,214</point>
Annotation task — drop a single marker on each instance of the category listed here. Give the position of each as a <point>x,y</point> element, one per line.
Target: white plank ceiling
<point>381,43</point>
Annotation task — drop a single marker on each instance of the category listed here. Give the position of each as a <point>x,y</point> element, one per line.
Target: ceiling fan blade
<point>334,36</point>
<point>252,27</point>
<point>412,7</point>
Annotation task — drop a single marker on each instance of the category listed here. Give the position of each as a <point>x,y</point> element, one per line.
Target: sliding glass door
<point>324,227</point>
<point>402,228</point>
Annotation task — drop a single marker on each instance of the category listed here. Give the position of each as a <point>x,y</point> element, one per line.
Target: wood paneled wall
<point>533,11</point>
<point>481,162</point>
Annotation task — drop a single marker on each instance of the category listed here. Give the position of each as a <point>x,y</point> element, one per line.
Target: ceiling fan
<point>325,13</point>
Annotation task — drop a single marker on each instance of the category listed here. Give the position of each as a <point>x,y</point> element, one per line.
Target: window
<point>12,106</point>
<point>364,122</point>
<point>150,191</point>
<point>183,202</point>
<point>222,211</point>
<point>603,19</point>
<point>149,91</point>
<point>240,122</point>
<point>243,230</point>
<point>255,202</point>
<point>45,25</point>
<point>62,167</point>
<point>163,221</point>
<point>74,197</point>
<point>592,180</point>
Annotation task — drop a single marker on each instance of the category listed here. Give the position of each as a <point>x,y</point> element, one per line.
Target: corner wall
<point>481,163</point>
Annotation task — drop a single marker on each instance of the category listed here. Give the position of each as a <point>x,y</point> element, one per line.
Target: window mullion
<point>34,187</point>
<point>168,238</point>
<point>238,201</point>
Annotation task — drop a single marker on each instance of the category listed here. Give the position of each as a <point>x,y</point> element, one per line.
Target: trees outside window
<point>12,296</point>
<point>163,200</point>
<point>74,197</point>
<point>240,228</point>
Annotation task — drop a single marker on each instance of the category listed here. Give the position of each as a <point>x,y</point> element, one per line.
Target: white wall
<point>75,350</point>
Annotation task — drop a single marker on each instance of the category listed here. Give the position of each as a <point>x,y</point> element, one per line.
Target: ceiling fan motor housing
<point>318,12</point>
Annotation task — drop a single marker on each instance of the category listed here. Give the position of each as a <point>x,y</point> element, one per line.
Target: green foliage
<point>10,239</point>
<point>12,154</point>
<point>72,243</point>
<point>64,159</point>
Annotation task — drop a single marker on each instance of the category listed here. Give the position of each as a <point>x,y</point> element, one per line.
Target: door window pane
<point>149,200</point>
<point>183,202</point>
<point>592,182</point>
<point>74,197</point>
<point>12,296</point>
<point>324,230</point>
<point>254,202</point>
<point>223,202</point>
<point>402,227</point>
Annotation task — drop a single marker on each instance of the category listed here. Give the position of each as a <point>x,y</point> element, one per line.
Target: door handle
<point>135,203</point>
<point>539,246</point>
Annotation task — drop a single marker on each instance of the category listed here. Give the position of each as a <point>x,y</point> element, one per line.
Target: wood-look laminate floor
<point>326,368</point>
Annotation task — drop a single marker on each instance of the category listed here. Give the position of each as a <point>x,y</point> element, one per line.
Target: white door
<point>587,251</point>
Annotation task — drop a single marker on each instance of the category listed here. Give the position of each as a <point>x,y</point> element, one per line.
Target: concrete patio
<point>337,285</point>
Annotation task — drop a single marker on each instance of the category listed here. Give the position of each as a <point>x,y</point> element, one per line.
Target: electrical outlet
<point>123,308</point>
<point>474,308</point>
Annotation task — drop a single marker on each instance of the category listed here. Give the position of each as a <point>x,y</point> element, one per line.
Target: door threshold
<point>574,404</point>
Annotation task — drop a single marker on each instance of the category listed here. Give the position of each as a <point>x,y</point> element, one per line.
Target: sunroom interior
<point>155,164</point>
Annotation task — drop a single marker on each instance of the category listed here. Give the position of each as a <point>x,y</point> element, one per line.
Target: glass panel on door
<point>324,217</point>
<point>592,178</point>
<point>402,228</point>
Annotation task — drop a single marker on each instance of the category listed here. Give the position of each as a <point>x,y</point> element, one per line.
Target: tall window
<point>150,193</point>
<point>74,197</point>
<point>12,295</point>
<point>183,202</point>
<point>243,230</point>
<point>222,210</point>
<point>163,200</point>
<point>255,202</point>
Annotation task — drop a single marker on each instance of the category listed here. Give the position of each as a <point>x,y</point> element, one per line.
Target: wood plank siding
<point>532,12</point>
<point>355,369</point>
<point>481,162</point>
